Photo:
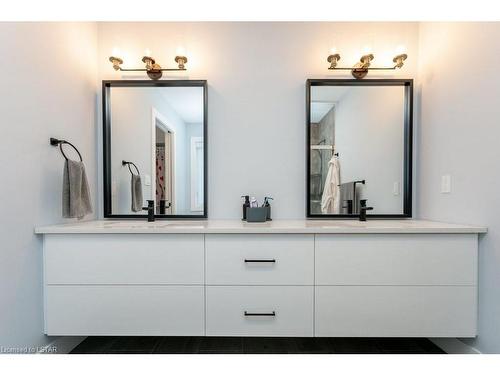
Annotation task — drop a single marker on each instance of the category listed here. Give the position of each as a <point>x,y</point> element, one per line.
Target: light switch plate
<point>395,188</point>
<point>446,184</point>
<point>147,180</point>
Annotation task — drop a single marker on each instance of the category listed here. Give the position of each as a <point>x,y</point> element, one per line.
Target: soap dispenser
<point>268,206</point>
<point>245,205</point>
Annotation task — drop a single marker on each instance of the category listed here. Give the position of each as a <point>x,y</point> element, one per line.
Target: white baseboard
<point>454,346</point>
<point>62,345</point>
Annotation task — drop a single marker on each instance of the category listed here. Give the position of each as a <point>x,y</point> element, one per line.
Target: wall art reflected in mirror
<point>155,148</point>
<point>359,147</point>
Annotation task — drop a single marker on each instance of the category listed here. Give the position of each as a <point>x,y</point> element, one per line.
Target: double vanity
<point>398,278</point>
<point>392,278</point>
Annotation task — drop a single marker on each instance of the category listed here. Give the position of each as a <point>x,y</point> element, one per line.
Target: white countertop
<point>276,226</point>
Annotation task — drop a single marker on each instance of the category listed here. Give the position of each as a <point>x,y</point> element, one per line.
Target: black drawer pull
<point>260,260</point>
<point>260,314</point>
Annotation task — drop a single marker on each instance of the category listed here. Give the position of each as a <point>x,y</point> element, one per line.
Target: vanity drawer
<point>90,310</point>
<point>289,311</point>
<point>395,311</point>
<point>124,259</point>
<point>396,259</point>
<point>256,259</point>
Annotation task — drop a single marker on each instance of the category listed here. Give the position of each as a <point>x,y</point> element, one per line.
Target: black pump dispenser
<point>245,205</point>
<point>268,206</point>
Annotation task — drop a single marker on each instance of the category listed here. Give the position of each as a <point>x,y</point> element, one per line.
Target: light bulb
<point>147,52</point>
<point>116,52</point>
<point>333,51</point>
<point>367,50</point>
<point>401,49</point>
<point>181,51</point>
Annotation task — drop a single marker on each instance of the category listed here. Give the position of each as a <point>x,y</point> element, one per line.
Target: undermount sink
<point>134,224</point>
<point>149,225</point>
<point>361,224</point>
<point>374,224</point>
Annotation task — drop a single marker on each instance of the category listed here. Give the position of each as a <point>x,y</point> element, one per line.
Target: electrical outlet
<point>446,184</point>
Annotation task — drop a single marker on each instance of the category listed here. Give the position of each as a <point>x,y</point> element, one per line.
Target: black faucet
<point>151,210</point>
<point>363,209</point>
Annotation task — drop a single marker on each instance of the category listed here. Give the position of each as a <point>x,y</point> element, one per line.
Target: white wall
<point>48,90</point>
<point>460,91</point>
<point>256,74</point>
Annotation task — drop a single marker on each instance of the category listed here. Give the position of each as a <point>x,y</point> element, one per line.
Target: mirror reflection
<point>357,149</point>
<point>157,149</point>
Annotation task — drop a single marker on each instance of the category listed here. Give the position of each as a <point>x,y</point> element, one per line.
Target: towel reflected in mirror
<point>330,201</point>
<point>136,191</point>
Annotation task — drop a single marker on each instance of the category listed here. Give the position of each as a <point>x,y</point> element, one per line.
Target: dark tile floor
<point>254,345</point>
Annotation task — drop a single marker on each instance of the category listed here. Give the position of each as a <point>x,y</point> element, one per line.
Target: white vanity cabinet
<point>124,284</point>
<point>259,259</point>
<point>304,279</point>
<point>404,285</point>
<point>259,284</point>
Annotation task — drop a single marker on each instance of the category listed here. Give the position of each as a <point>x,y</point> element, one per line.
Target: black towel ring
<point>127,163</point>
<point>60,142</point>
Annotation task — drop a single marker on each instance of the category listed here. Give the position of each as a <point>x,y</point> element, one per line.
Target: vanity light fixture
<point>152,69</point>
<point>361,68</point>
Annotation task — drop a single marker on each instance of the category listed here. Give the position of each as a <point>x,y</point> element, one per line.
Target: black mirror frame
<point>408,143</point>
<point>106,141</point>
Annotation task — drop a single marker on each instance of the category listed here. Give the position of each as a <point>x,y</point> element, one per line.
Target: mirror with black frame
<point>359,147</point>
<point>155,148</point>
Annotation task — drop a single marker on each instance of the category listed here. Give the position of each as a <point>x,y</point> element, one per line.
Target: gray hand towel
<point>136,186</point>
<point>347,192</point>
<point>76,192</point>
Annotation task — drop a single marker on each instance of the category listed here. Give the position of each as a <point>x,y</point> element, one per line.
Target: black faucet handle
<point>363,209</point>
<point>151,205</point>
<point>151,210</point>
<point>362,203</point>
